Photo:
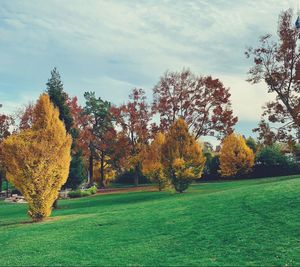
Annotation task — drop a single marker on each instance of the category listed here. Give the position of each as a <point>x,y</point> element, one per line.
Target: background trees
<point>100,132</point>
<point>37,160</point>
<point>277,63</point>
<point>5,123</point>
<point>152,164</point>
<point>203,102</point>
<point>236,158</point>
<point>134,119</point>
<point>181,156</point>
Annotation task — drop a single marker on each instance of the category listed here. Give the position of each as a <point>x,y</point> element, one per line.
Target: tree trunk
<point>136,175</point>
<point>102,171</point>
<point>91,167</point>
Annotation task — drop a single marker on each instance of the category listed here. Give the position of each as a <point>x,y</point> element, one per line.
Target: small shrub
<point>83,192</point>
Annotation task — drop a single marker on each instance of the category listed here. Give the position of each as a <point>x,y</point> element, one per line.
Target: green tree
<point>60,100</point>
<point>101,132</point>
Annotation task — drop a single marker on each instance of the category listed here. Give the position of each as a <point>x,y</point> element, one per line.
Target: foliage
<point>37,160</point>
<point>83,192</point>
<point>108,172</point>
<point>77,174</point>
<point>251,143</point>
<point>236,158</point>
<point>182,156</point>
<point>203,102</point>
<point>152,164</point>
<point>271,156</point>
<point>100,132</point>
<point>277,63</point>
<point>134,118</point>
<point>59,98</point>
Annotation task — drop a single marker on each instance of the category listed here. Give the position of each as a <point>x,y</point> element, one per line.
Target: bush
<point>270,161</point>
<point>83,193</point>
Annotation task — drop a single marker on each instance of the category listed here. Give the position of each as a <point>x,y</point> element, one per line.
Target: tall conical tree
<point>37,160</point>
<point>60,98</point>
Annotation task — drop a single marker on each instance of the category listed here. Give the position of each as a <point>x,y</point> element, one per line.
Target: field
<point>251,222</point>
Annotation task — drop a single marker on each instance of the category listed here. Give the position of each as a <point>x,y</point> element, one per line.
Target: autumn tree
<point>236,158</point>
<point>100,134</point>
<point>182,156</point>
<point>276,61</point>
<point>152,164</point>
<point>134,119</point>
<point>202,101</point>
<point>5,123</point>
<point>37,160</point>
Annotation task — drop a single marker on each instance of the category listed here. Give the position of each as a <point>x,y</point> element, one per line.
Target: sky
<point>111,47</point>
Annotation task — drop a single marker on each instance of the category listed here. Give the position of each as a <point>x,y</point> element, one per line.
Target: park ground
<point>251,222</point>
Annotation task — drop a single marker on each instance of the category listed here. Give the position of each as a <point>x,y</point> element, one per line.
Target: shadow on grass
<point>111,200</point>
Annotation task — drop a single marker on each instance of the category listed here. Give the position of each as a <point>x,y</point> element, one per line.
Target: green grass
<point>251,222</point>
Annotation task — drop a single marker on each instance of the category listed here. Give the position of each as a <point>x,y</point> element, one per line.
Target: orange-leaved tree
<point>152,165</point>
<point>182,156</point>
<point>37,159</point>
<point>236,158</point>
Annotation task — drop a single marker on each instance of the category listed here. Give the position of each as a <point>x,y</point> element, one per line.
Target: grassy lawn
<point>251,222</point>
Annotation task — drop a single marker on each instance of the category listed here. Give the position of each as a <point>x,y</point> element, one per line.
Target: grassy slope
<point>253,222</point>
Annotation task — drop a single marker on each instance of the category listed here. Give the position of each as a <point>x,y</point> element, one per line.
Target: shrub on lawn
<point>236,158</point>
<point>37,159</point>
<point>83,192</point>
<point>270,161</point>
<point>182,156</point>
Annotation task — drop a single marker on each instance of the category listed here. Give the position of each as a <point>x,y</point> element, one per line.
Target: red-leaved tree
<point>277,63</point>
<point>133,118</point>
<point>203,102</point>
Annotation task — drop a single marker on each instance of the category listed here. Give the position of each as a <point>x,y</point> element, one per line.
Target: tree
<point>182,156</point>
<point>59,98</point>
<point>236,158</point>
<point>5,123</point>
<point>250,142</point>
<point>152,164</point>
<point>100,132</point>
<point>203,102</point>
<point>37,160</point>
<point>134,118</point>
<point>277,63</point>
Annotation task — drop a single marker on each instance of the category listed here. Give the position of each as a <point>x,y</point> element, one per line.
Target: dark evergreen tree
<point>59,98</point>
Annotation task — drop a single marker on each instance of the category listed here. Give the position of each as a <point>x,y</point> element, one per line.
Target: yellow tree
<point>182,156</point>
<point>37,160</point>
<point>152,165</point>
<point>236,158</point>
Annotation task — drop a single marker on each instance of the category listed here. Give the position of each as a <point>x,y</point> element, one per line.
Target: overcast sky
<point>111,47</point>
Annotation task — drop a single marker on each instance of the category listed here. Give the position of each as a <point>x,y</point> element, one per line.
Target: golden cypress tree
<point>236,158</point>
<point>152,165</point>
<point>182,156</point>
<point>37,160</point>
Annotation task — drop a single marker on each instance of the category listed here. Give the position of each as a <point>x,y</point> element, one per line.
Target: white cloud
<point>111,46</point>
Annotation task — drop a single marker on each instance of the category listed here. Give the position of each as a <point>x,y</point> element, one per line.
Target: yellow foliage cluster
<point>109,173</point>
<point>152,166</point>
<point>37,159</point>
<point>182,156</point>
<point>235,156</point>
